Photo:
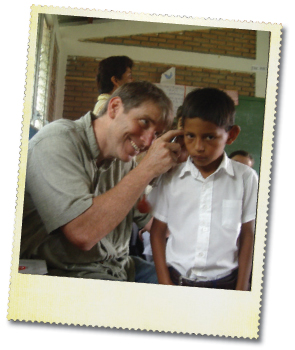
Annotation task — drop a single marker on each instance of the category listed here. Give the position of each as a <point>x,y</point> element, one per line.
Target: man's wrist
<point>145,172</point>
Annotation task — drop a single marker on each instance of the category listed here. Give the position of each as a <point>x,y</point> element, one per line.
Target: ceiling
<point>77,20</point>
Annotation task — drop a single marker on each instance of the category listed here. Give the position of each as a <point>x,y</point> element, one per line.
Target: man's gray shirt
<point>62,179</point>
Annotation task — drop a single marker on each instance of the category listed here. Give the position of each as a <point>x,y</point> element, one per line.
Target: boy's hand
<point>166,282</point>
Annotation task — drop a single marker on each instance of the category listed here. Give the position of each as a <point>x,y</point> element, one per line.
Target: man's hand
<point>163,155</point>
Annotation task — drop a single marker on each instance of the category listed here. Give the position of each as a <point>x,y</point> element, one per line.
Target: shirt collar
<point>226,164</point>
<point>190,167</point>
<point>103,97</point>
<point>86,123</point>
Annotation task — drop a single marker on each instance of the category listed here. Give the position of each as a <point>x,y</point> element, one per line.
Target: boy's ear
<point>233,134</point>
<point>180,123</point>
<point>114,105</point>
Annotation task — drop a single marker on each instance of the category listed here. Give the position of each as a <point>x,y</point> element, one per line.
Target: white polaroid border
<point>142,306</point>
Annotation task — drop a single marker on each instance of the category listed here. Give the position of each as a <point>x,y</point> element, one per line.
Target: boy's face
<point>205,143</point>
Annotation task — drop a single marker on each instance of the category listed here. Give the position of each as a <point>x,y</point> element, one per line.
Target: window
<point>42,70</point>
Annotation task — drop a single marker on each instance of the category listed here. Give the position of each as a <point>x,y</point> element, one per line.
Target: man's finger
<point>169,135</point>
<point>174,147</point>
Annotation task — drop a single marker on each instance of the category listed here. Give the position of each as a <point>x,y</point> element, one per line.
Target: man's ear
<point>114,105</point>
<point>233,134</point>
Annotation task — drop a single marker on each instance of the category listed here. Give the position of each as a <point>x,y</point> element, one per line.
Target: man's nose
<point>148,137</point>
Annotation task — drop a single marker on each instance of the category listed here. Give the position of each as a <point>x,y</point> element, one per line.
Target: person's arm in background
<point>245,255</point>
<point>158,242</point>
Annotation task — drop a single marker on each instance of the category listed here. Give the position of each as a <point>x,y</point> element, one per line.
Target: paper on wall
<point>168,77</point>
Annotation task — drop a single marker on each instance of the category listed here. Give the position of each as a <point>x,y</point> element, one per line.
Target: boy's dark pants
<point>227,282</point>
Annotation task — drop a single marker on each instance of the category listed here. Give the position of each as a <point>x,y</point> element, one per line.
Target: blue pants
<point>145,271</point>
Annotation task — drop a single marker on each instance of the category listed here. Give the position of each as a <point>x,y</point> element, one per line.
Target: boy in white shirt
<point>208,203</point>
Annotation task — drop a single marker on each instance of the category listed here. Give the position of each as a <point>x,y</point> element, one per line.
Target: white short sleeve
<point>158,199</point>
<point>250,197</point>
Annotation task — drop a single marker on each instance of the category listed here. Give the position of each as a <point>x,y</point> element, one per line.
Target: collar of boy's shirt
<point>190,167</point>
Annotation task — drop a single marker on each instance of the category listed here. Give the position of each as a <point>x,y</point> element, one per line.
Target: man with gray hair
<point>83,184</point>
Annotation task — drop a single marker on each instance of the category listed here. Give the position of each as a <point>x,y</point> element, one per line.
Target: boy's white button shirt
<point>204,216</point>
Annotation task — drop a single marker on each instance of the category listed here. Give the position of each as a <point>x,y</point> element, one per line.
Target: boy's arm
<point>158,242</point>
<point>245,255</point>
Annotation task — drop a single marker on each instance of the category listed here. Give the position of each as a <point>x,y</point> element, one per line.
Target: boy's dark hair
<point>109,67</point>
<point>135,93</point>
<point>209,104</point>
<point>241,153</point>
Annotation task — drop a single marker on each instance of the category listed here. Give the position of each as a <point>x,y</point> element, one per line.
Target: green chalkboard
<point>250,117</point>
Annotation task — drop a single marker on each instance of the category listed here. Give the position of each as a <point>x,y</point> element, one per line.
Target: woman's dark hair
<point>241,153</point>
<point>109,67</point>
<point>211,105</point>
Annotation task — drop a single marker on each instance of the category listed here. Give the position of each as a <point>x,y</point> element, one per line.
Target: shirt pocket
<point>231,214</point>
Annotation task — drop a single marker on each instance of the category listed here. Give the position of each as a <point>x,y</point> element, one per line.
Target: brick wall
<point>226,42</point>
<point>199,77</point>
<point>81,90</point>
<point>80,86</point>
